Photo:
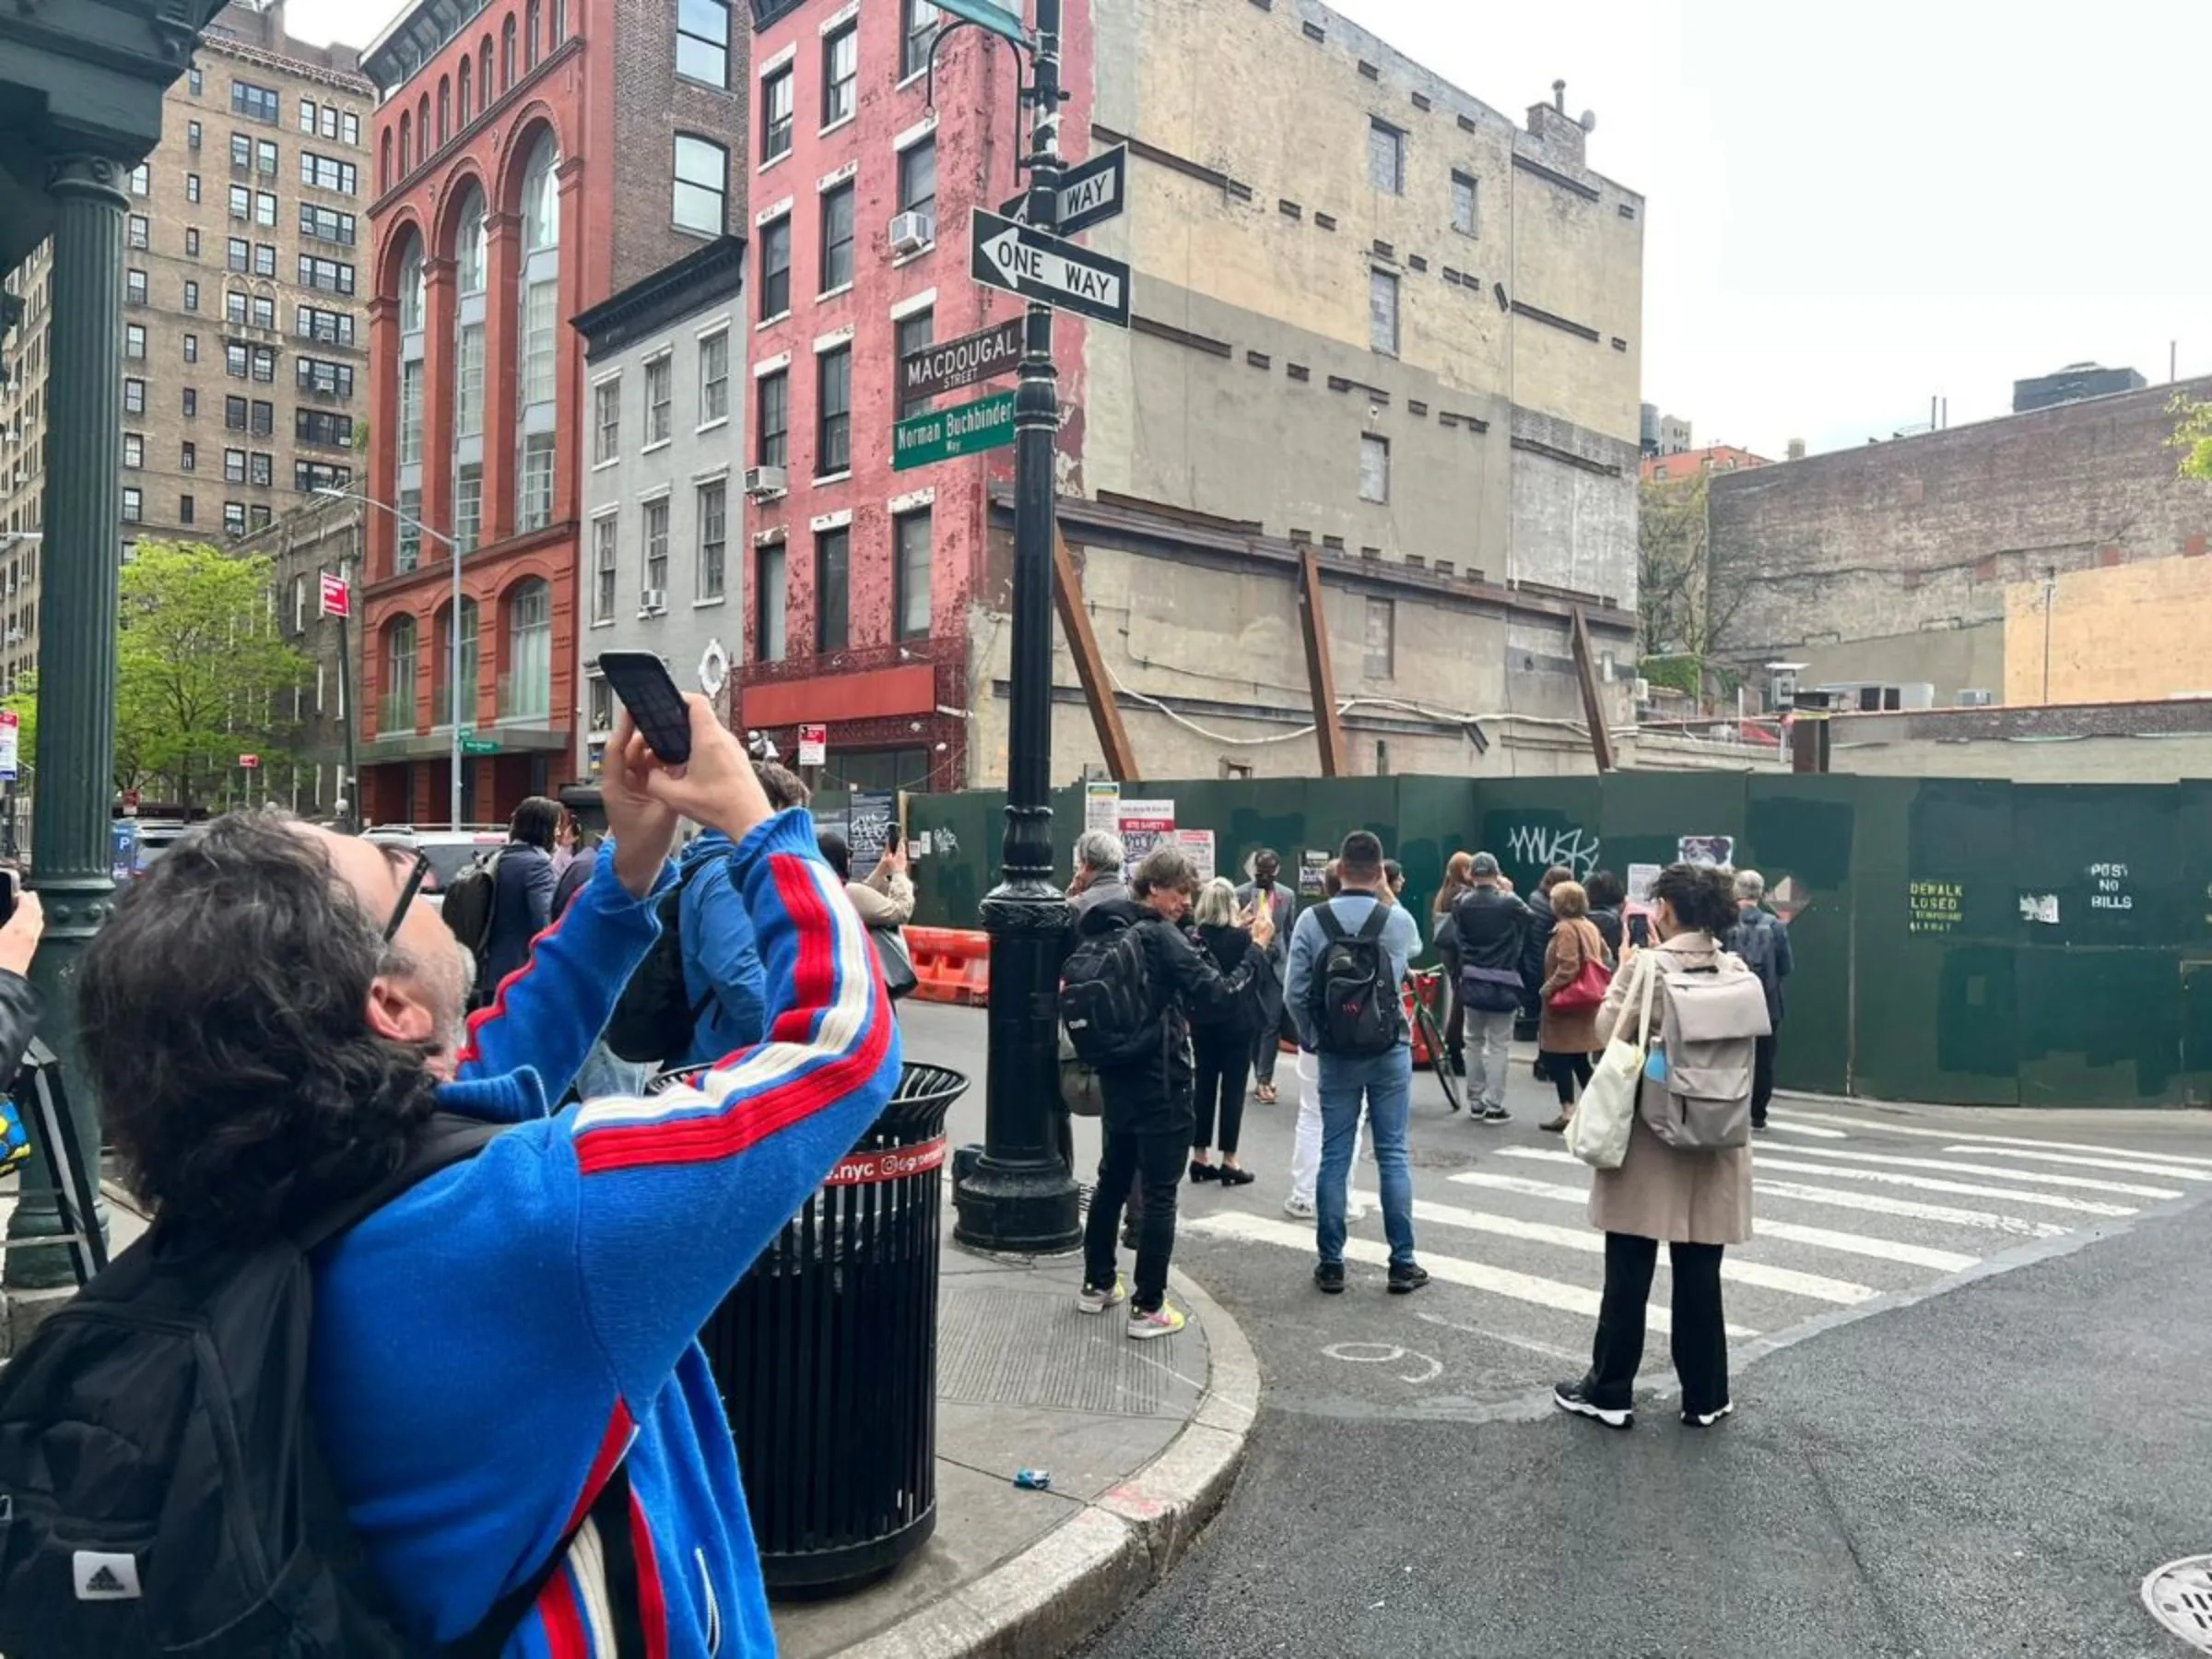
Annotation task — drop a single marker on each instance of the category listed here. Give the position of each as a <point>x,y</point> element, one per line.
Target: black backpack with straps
<point>162,1489</point>
<point>1356,1005</point>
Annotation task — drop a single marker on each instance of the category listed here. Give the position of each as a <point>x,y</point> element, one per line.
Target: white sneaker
<point>1355,1211</point>
<point>1301,1208</point>
<point>1092,1300</point>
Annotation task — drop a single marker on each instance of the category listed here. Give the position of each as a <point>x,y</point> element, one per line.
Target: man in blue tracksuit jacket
<point>490,1346</point>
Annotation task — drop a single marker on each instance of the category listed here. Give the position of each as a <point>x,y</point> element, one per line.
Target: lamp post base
<point>1016,1210</point>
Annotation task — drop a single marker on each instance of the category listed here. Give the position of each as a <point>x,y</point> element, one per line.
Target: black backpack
<point>161,1491</point>
<point>1106,1001</point>
<point>1356,1005</point>
<point>653,1021</point>
<point>472,900</point>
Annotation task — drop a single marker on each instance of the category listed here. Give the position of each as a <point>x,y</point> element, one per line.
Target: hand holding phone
<point>643,685</point>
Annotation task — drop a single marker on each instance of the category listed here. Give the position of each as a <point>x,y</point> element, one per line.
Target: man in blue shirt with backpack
<point>1348,961</point>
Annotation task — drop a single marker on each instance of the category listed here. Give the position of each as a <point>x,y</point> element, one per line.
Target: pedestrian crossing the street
<point>1844,1215</point>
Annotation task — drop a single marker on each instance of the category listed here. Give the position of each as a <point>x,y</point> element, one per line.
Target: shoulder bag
<point>1598,1132</point>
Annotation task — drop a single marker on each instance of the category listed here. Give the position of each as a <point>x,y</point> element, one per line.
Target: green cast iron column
<point>80,560</point>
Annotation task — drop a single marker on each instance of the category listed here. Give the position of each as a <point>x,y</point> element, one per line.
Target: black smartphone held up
<point>647,691</point>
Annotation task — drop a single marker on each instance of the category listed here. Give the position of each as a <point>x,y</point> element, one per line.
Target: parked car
<point>450,851</point>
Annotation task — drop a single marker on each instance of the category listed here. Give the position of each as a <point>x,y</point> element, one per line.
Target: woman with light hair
<point>1222,1042</point>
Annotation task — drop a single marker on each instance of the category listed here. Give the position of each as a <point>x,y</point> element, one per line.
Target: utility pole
<point>1018,1198</point>
<point>349,788</point>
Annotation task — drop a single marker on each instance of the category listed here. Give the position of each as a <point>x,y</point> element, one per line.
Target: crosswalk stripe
<point>1880,1203</point>
<point>1580,1300</point>
<point>1819,1238</point>
<point>2079,1182</point>
<point>1929,1183</point>
<point>1782,1127</point>
<point>1884,1126</point>
<point>1586,1241</point>
<point>2128,1166</point>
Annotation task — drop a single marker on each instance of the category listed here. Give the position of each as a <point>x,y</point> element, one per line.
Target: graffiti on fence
<point>1534,844</point>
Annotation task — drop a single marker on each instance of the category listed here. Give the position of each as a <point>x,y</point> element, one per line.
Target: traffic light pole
<point>1018,1198</point>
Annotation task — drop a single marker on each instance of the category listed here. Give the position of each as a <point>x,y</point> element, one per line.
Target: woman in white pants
<point>1305,1158</point>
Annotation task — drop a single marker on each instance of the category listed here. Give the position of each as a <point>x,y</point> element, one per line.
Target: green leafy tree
<point>2193,437</point>
<point>201,674</point>
<point>1684,604</point>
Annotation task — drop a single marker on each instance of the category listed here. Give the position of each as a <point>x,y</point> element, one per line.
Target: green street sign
<point>1000,16</point>
<point>473,745</point>
<point>946,435</point>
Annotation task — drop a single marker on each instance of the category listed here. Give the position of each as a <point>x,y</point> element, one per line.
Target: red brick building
<point>531,158</point>
<point>861,577</point>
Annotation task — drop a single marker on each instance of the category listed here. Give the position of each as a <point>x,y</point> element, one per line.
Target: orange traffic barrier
<point>951,965</point>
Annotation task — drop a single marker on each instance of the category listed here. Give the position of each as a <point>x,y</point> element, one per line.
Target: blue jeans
<point>1384,1082</point>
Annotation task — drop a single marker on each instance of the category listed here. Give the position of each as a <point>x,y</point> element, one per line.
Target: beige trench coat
<point>1658,1193</point>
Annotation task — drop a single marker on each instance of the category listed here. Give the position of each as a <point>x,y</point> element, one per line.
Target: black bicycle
<point>1432,1034</point>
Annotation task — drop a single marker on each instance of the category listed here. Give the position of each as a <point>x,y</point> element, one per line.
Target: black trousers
<point>1565,1071</point>
<point>1455,1017</point>
<point>1700,1340</point>
<point>1224,1059</point>
<point>1155,1159</point>
<point>1762,1080</point>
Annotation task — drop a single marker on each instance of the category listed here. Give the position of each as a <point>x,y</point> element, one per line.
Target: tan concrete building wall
<point>1951,659</point>
<point>2128,633</point>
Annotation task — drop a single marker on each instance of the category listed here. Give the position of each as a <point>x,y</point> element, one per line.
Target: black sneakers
<point>1329,1276</point>
<point>1406,1279</point>
<point>1573,1397</point>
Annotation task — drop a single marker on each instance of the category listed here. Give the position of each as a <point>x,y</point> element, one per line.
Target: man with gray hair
<point>1764,942</point>
<point>1099,860</point>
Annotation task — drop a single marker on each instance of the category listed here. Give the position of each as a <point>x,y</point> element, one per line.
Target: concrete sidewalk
<point>1142,1441</point>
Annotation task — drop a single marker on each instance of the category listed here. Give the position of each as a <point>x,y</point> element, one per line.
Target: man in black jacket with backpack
<point>1128,994</point>
<point>1493,927</point>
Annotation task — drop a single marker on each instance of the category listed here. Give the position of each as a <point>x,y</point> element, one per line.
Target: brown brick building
<point>243,342</point>
<point>533,157</point>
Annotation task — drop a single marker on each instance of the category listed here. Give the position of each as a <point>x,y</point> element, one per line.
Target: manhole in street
<point>2179,1595</point>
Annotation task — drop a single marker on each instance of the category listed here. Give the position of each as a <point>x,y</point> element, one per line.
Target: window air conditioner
<point>1977,699</point>
<point>765,480</point>
<point>1643,691</point>
<point>652,602</point>
<point>910,232</point>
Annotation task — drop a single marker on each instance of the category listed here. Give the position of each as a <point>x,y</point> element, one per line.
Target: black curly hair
<point>1702,898</point>
<point>222,1014</point>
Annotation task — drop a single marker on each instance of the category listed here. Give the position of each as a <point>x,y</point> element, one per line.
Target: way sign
<point>962,363</point>
<point>946,434</point>
<point>1090,193</point>
<point>1045,268</point>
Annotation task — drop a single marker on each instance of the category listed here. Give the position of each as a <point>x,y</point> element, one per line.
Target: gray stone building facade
<point>662,457</point>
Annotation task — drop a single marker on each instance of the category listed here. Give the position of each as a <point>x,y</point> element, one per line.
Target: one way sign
<point>1045,268</point>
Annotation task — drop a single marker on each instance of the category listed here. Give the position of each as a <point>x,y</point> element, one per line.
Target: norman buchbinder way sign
<point>962,363</point>
<point>1049,270</point>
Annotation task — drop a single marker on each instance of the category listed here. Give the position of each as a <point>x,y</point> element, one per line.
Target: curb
<point>1075,1581</point>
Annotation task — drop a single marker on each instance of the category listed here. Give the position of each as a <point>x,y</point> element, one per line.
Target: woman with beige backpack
<point>1667,1123</point>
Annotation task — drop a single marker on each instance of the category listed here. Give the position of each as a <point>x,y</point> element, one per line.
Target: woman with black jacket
<point>1223,1040</point>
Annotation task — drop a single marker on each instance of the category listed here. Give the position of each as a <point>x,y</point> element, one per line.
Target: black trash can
<point>826,1356</point>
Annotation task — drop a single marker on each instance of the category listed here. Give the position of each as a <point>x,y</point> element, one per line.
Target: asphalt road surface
<point>1971,1351</point>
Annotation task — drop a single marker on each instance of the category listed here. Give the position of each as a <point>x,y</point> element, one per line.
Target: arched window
<point>537,337</point>
<point>484,73</point>
<point>383,161</point>
<point>445,109</point>
<point>466,78</point>
<point>541,198</point>
<point>507,52</point>
<point>469,270</point>
<point>441,669</point>
<point>397,715</point>
<point>422,126</point>
<point>528,687</point>
<point>557,29</point>
<point>406,158</point>
<point>411,290</point>
<point>530,34</point>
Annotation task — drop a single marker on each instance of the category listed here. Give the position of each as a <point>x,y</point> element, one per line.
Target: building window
<point>538,305</point>
<point>234,466</point>
<point>468,421</point>
<point>602,700</point>
<point>468,247</point>
<point>701,185</point>
<point>1385,157</point>
<point>837,238</point>
<point>409,549</point>
<point>656,548</point>
<point>314,375</point>
<point>714,539</point>
<point>537,504</point>
<point>234,313</point>
<point>1383,311</point>
<point>775,268</point>
<point>141,180</point>
<point>265,157</point>
<point>321,427</point>
<point>541,198</point>
<point>134,451</point>
<point>326,224</point>
<point>192,295</point>
<point>133,288</point>
<point>265,419</point>
<point>833,404</point>
<point>841,75</point>
<point>453,667</point>
<point>529,650</point>
<point>606,420</point>
<point>237,364</point>
<point>1465,204</point>
<point>1374,469</point>
<point>192,242</point>
<point>714,379</point>
<point>192,79</point>
<point>307,476</point>
<point>134,341</point>
<point>412,290</point>
<point>531,32</point>
<point>832,590</point>
<point>410,412</point>
<point>329,275</point>
<point>264,209</point>
<point>770,602</point>
<point>134,397</point>
<point>771,424</point>
<point>1380,662</point>
<point>604,554</point>
<point>191,348</point>
<point>234,518</point>
<point>191,138</point>
<point>192,187</point>
<point>463,85</point>
<point>255,104</point>
<point>192,402</point>
<point>918,180</point>
<point>911,556</point>
<point>184,510</point>
<point>398,712</point>
<point>264,364</point>
<point>703,40</point>
<point>188,457</point>
<point>241,151</point>
<point>141,232</point>
<point>507,53</point>
<point>660,378</point>
<point>912,334</point>
<point>468,505</point>
<point>238,255</point>
<point>445,109</point>
<point>134,507</point>
<point>326,173</point>
<point>917,36</point>
<point>775,116</point>
<point>234,414</point>
<point>265,259</point>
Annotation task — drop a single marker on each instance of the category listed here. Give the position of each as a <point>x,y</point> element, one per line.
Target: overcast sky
<point>1853,209</point>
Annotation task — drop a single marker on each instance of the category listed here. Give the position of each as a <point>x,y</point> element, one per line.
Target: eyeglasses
<point>408,889</point>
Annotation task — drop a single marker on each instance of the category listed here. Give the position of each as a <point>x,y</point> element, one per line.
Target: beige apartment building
<point>245,332</point>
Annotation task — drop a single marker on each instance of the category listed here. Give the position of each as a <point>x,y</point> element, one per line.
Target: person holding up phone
<point>19,1011</point>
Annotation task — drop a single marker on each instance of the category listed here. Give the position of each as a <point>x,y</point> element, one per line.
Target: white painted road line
<point>2128,1165</point>
<point>1880,1203</point>
<point>1820,1238</point>
<point>1586,1241</point>
<point>1580,1300</point>
<point>1785,1127</point>
<point>2079,1182</point>
<point>1885,1126</point>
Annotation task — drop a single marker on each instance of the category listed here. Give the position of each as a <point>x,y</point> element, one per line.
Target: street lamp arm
<point>408,519</point>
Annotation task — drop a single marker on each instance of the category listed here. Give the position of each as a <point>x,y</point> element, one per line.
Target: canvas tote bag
<point>1598,1132</point>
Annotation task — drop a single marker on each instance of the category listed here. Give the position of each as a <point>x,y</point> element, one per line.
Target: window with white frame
<point>659,398</point>
<point>538,320</point>
<point>604,531</point>
<point>840,73</point>
<point>606,420</point>
<point>410,412</point>
<point>714,539</point>
<point>656,545</point>
<point>536,505</point>
<point>714,378</point>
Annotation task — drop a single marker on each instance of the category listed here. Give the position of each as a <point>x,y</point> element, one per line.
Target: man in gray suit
<point>1266,866</point>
